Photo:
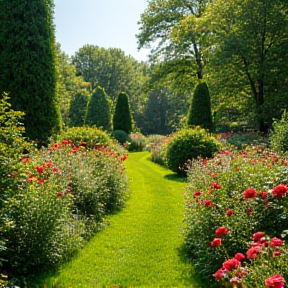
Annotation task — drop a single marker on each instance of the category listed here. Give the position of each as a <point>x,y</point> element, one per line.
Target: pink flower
<point>253,252</point>
<point>229,212</point>
<point>216,242</point>
<point>215,185</point>
<point>279,191</point>
<point>250,193</point>
<point>276,242</point>
<point>275,281</point>
<point>276,253</point>
<point>197,193</point>
<point>231,264</point>
<point>257,236</point>
<point>221,231</point>
<point>239,256</point>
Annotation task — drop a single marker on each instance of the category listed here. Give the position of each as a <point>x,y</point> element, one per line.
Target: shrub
<point>188,144</point>
<point>137,142</point>
<point>240,140</point>
<point>122,119</point>
<point>158,150</point>
<point>279,137</point>
<point>121,136</point>
<point>200,108</point>
<point>235,191</point>
<point>88,136</point>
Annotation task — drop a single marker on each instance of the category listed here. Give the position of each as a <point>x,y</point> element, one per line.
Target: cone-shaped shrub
<point>122,119</point>
<point>200,108</point>
<point>78,108</point>
<point>99,111</point>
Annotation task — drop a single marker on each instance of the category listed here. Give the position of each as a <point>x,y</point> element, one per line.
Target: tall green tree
<point>249,48</point>
<point>122,119</point>
<point>200,108</point>
<point>78,108</point>
<point>99,110</point>
<point>28,64</point>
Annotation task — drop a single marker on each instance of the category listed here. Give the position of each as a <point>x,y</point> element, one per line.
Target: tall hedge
<point>200,108</point>
<point>99,110</point>
<point>27,64</point>
<point>122,119</point>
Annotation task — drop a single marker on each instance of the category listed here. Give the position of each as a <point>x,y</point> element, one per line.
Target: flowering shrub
<point>158,150</point>
<point>137,142</point>
<point>228,199</point>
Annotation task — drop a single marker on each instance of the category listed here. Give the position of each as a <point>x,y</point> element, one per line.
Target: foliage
<point>78,108</point>
<point>137,142</point>
<point>122,118</point>
<point>234,190</point>
<point>159,148</point>
<point>121,136</point>
<point>241,140</point>
<point>99,110</point>
<point>27,65</point>
<point>200,108</point>
<point>279,137</point>
<point>188,144</point>
<point>89,136</point>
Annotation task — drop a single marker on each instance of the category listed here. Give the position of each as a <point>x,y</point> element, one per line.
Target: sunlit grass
<point>142,245</point>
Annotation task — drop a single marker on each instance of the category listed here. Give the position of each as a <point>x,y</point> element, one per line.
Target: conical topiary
<point>200,108</point>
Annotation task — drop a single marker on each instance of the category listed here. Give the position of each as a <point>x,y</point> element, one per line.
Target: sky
<point>105,23</point>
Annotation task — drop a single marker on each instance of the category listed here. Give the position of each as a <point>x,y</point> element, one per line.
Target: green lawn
<point>142,245</point>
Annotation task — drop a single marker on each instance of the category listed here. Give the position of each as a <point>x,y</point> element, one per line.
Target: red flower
<point>229,212</point>
<point>276,242</point>
<point>48,164</point>
<point>40,181</point>
<point>26,159</point>
<point>204,162</point>
<point>250,193</point>
<point>60,194</point>
<point>216,242</point>
<point>249,211</point>
<point>263,194</point>
<point>215,185</point>
<point>253,252</point>
<point>197,193</point>
<point>75,149</point>
<point>40,169</point>
<point>83,144</point>
<point>279,191</point>
<point>208,203</point>
<point>231,264</point>
<point>239,256</point>
<point>275,281</point>
<point>276,253</point>
<point>221,231</point>
<point>124,157</point>
<point>219,274</point>
<point>257,236</point>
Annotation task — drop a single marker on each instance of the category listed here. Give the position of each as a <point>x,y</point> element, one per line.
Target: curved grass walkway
<point>141,247</point>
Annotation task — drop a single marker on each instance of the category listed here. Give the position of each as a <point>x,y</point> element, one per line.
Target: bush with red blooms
<point>251,195</point>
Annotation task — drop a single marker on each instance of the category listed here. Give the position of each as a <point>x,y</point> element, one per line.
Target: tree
<point>78,108</point>
<point>249,48</point>
<point>122,119</point>
<point>99,110</point>
<point>27,64</point>
<point>200,108</point>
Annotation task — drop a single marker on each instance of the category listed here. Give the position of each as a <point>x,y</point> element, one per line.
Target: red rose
<point>216,242</point>
<point>276,242</point>
<point>124,157</point>
<point>263,194</point>
<point>249,211</point>
<point>250,193</point>
<point>239,256</point>
<point>216,185</point>
<point>229,212</point>
<point>253,252</point>
<point>221,231</point>
<point>208,203</point>
<point>275,281</point>
<point>40,181</point>
<point>276,253</point>
<point>231,264</point>
<point>219,274</point>
<point>257,236</point>
<point>197,193</point>
<point>59,194</point>
<point>40,169</point>
<point>279,191</point>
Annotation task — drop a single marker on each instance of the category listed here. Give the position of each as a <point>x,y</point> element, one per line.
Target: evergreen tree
<point>78,108</point>
<point>200,108</point>
<point>27,64</point>
<point>122,119</point>
<point>99,111</point>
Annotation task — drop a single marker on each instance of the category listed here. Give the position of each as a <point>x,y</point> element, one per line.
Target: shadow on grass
<point>175,177</point>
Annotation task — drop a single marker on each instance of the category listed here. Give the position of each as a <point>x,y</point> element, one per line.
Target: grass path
<point>140,247</point>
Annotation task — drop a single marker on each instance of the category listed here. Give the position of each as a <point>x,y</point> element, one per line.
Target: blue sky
<point>105,23</point>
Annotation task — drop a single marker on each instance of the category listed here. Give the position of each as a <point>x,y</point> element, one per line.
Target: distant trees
<point>122,119</point>
<point>99,110</point>
<point>27,64</point>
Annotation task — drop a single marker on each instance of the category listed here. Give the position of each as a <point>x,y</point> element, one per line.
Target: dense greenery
<point>200,108</point>
<point>28,64</point>
<point>99,110</point>
<point>122,118</point>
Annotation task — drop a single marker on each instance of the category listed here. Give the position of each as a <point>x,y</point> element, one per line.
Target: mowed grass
<point>142,245</point>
